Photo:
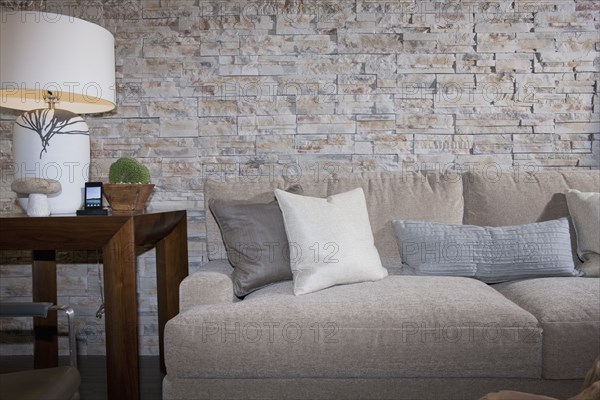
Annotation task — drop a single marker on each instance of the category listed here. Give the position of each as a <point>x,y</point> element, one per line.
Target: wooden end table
<point>117,236</point>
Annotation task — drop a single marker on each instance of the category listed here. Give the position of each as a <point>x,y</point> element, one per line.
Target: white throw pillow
<point>331,241</point>
<point>584,208</point>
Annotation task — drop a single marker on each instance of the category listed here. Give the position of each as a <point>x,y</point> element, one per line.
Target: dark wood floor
<point>93,375</point>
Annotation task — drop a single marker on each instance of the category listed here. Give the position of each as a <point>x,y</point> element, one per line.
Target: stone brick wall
<point>270,87</point>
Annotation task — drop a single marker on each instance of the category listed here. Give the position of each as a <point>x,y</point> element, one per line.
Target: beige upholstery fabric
<point>591,267</point>
<point>520,199</point>
<point>569,312</point>
<point>395,195</point>
<point>211,285</point>
<point>175,388</point>
<point>394,327</point>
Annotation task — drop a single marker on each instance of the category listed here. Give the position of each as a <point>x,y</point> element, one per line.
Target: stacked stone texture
<point>220,89</point>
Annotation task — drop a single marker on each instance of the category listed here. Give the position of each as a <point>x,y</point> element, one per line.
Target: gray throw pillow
<point>255,240</point>
<point>491,254</point>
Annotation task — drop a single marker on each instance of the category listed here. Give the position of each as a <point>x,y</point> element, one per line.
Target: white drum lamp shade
<point>42,52</point>
<point>54,67</point>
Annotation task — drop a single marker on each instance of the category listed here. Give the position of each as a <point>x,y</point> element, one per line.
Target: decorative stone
<point>38,206</point>
<point>36,185</point>
<point>38,190</point>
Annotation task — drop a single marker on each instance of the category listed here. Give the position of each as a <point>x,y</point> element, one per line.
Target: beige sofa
<point>402,337</point>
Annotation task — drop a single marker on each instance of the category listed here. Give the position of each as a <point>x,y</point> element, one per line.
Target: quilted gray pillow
<point>491,254</point>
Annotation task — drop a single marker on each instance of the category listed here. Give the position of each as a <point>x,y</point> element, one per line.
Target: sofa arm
<point>211,285</point>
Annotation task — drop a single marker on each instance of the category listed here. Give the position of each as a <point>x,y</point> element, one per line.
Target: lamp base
<point>93,211</point>
<point>53,144</point>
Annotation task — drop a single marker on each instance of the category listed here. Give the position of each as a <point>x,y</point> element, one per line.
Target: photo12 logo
<point>88,10</point>
<point>469,332</point>
<point>266,91</point>
<point>49,170</point>
<point>258,171</point>
<point>291,12</point>
<point>452,11</point>
<point>269,332</point>
<point>89,92</point>
<point>462,93</point>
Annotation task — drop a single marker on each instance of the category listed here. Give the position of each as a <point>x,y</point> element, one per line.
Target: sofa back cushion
<point>401,195</point>
<point>255,189</point>
<point>512,198</point>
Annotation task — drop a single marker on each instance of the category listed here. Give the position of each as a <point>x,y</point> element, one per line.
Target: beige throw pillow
<point>331,241</point>
<point>584,208</point>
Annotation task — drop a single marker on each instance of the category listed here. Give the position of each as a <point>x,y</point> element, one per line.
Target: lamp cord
<point>100,311</point>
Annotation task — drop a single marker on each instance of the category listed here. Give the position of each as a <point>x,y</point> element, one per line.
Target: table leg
<point>122,364</point>
<point>45,349</point>
<point>171,269</point>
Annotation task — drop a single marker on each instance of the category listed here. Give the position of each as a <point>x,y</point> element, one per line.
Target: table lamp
<point>54,67</point>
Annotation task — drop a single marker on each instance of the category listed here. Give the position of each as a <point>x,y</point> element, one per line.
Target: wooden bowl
<point>127,197</point>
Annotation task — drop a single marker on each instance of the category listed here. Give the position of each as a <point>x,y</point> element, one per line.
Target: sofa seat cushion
<point>569,312</point>
<point>400,326</point>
